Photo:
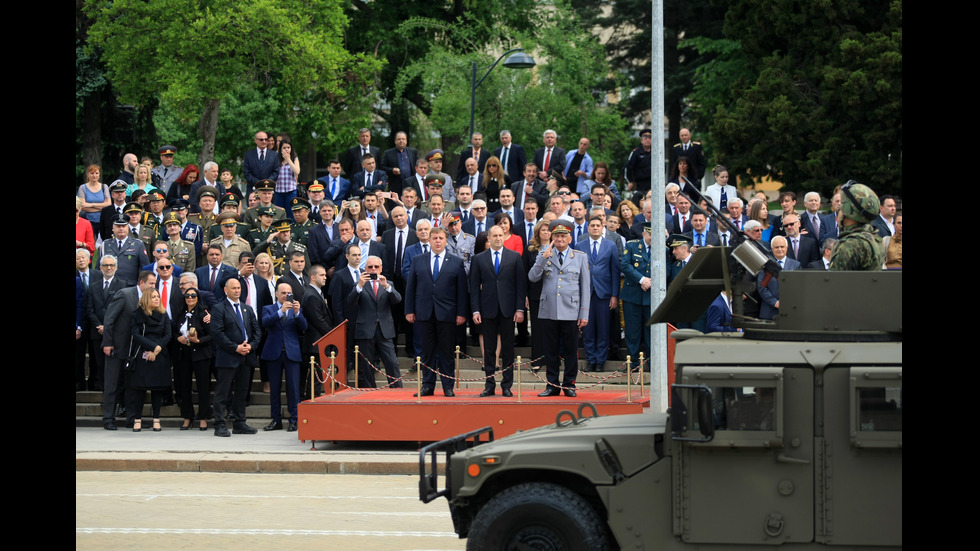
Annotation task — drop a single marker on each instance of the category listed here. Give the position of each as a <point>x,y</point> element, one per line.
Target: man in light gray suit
<point>564,308</point>
<point>116,338</point>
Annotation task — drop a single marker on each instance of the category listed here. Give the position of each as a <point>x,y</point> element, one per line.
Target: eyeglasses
<point>492,165</point>
<point>564,193</point>
<point>160,250</point>
<point>376,267</point>
<point>108,265</point>
<point>261,139</point>
<point>190,295</point>
<point>790,224</point>
<point>165,267</point>
<point>478,208</point>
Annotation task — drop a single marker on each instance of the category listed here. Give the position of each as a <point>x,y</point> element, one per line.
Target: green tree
<point>221,45</point>
<point>820,98</point>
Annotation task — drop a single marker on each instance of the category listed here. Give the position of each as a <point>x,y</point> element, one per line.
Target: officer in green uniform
<point>301,220</point>
<point>635,295</point>
<point>206,198</point>
<point>154,216</point>
<point>280,246</point>
<point>858,247</point>
<point>229,203</point>
<point>264,189</point>
<point>137,229</point>
<point>181,251</point>
<point>263,233</point>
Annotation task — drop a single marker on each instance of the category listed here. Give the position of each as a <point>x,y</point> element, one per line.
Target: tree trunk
<point>92,130</point>
<point>209,129</point>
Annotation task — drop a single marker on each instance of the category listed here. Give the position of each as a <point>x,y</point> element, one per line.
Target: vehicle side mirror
<point>698,396</point>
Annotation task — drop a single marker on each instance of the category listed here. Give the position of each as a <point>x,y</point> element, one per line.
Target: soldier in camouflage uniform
<point>858,247</point>
<point>180,251</point>
<point>301,216</point>
<point>281,247</point>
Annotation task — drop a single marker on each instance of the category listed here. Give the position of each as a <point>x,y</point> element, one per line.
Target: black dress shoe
<point>449,393</point>
<point>570,392</point>
<point>600,367</point>
<point>292,427</point>
<point>424,392</point>
<point>587,367</point>
<point>109,425</point>
<point>121,412</point>
<point>550,391</point>
<point>275,425</point>
<point>244,429</point>
<point>487,392</point>
<point>506,393</point>
<point>221,431</point>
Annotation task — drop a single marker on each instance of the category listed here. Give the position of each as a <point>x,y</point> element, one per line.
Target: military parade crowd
<point>189,278</point>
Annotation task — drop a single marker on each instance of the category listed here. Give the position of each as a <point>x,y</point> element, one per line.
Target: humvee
<point>788,433</point>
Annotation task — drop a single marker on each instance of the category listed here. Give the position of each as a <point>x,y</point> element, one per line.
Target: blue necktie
<point>367,180</point>
<point>595,253</point>
<point>700,240</point>
<point>333,189</point>
<point>561,258</point>
<point>241,320</point>
<point>435,269</point>
<point>496,262</point>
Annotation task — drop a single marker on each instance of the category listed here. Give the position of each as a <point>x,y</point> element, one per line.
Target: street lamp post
<point>518,60</point>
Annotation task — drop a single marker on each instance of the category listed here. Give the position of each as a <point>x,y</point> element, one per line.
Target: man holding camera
<point>285,323</point>
<point>374,331</point>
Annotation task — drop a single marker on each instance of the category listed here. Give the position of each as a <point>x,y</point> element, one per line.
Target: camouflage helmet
<point>859,202</point>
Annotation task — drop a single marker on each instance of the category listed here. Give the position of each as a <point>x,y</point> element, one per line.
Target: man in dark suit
<point>511,156</point>
<point>692,150</point>
<point>368,246</point>
<point>769,307</point>
<point>530,188</point>
<point>295,276</point>
<point>470,176</point>
<point>129,252</point>
<point>260,163</point>
<point>116,339</point>
<point>604,276</point>
<point>476,152</point>
<point>369,179</point>
<point>117,192</point>
<point>100,293</point>
<point>398,161</point>
<point>700,237</point>
<point>236,333</point>
<point>374,330</point>
<point>823,263</point>
<point>802,248</point>
<point>435,298</point>
<point>352,159</point>
<point>736,211</point>
<point>320,321</point>
<point>885,221</point>
<point>336,187</point>
<point>322,234</point>
<point>212,277</point>
<point>284,322</point>
<point>720,315</point>
<point>499,287</point>
<point>343,281</point>
<point>550,157</point>
<point>396,241</point>
<point>422,230</point>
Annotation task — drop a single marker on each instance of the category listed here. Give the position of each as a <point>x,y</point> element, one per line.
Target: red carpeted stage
<point>393,414</point>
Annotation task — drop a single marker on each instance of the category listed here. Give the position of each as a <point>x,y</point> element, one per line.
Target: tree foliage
<point>819,99</point>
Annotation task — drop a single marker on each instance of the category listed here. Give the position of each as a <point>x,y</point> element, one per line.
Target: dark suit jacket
<point>828,227</point>
<point>816,265</point>
<point>465,179</point>
<point>264,298</point>
<point>388,260</point>
<point>539,193</point>
<point>318,316</point>
<point>340,286</point>
<point>107,218</point>
<point>516,160</point>
<point>467,153</point>
<point>226,331</point>
<point>318,242</point>
<point>389,161</point>
<point>351,162</point>
<point>343,188</point>
<point>694,153</point>
<point>298,288</point>
<point>770,292</point>
<point>719,319</point>
<point>442,299</point>
<point>557,160</point>
<point>809,250</point>
<point>676,225</point>
<point>204,279</point>
<point>710,239</point>
<point>117,331</point>
<point>881,226</point>
<point>373,313</point>
<point>378,178</point>
<point>605,270</point>
<point>254,170</point>
<point>97,300</point>
<point>470,225</point>
<point>374,249</point>
<point>282,333</point>
<point>493,292</point>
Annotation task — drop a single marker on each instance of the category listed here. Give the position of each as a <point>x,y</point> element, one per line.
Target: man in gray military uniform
<point>564,308</point>
<point>459,243</point>
<point>167,170</point>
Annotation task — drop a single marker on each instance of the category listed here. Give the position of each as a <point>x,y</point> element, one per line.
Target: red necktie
<point>163,293</point>
<point>547,159</point>
<point>375,285</point>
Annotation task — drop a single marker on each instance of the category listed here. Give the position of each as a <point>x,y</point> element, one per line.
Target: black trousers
<point>559,336</point>
<point>491,328</point>
<point>237,379</point>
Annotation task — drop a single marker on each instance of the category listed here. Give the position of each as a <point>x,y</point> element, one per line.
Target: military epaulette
<point>466,234</point>
<point>634,241</point>
<point>694,142</point>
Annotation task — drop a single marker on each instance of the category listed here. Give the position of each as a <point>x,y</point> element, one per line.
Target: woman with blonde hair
<point>150,363</point>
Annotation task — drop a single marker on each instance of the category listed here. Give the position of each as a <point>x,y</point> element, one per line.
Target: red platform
<point>395,415</point>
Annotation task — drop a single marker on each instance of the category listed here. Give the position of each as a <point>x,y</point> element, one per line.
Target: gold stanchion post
<point>629,380</point>
<point>418,378</point>
<point>333,372</point>
<point>357,378</point>
<point>517,368</point>
<point>457,368</point>
<point>312,377</point>
<point>640,370</point>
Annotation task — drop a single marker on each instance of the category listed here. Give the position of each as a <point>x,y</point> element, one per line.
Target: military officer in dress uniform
<point>301,220</point>
<point>167,170</point>
<point>564,308</point>
<point>188,231</point>
<point>264,189</point>
<point>231,243</point>
<point>280,247</point>
<point>207,196</point>
<point>257,236</point>
<point>635,295</point>
<point>137,229</point>
<point>229,203</point>
<point>154,217</point>
<point>180,251</point>
<point>460,244</point>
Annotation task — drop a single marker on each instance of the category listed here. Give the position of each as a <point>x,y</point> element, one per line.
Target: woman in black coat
<point>151,364</point>
<point>193,358</point>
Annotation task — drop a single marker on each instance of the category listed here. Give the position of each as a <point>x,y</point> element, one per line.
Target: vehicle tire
<point>537,516</point>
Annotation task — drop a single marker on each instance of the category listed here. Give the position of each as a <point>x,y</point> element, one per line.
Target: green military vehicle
<point>787,434</point>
